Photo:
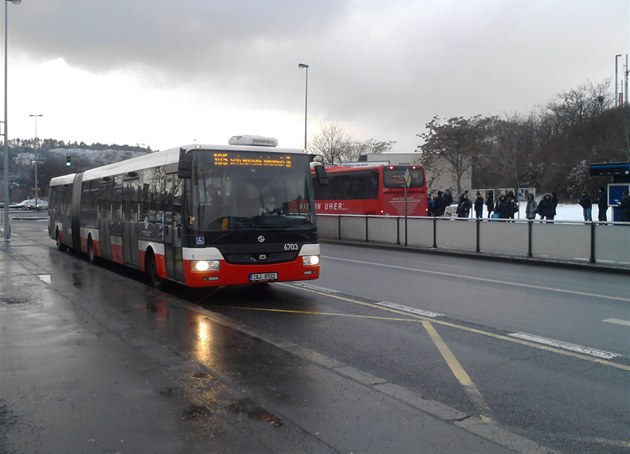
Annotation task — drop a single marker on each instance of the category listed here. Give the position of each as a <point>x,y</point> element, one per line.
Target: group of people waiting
<point>586,202</point>
<point>507,205</point>
<point>504,208</point>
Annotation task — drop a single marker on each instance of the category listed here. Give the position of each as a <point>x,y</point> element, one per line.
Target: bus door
<point>130,223</point>
<point>104,211</point>
<point>172,228</point>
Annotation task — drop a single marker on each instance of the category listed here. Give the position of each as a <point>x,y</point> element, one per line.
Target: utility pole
<point>36,116</point>
<point>625,99</point>
<point>617,80</point>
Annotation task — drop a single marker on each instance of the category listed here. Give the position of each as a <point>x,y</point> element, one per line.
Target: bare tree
<point>512,152</point>
<point>458,142</point>
<point>332,143</point>
<point>369,146</point>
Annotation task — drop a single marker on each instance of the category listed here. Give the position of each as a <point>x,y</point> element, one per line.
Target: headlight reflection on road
<point>205,336</point>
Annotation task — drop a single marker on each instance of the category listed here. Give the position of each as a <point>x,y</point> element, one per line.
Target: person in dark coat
<point>602,205</point>
<point>546,208</point>
<point>624,206</point>
<point>438,205</point>
<point>587,205</point>
<point>513,203</point>
<point>464,206</point>
<point>478,205</point>
<point>448,198</point>
<point>490,202</point>
<point>503,208</point>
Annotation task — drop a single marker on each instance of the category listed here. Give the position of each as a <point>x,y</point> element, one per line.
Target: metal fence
<point>589,242</point>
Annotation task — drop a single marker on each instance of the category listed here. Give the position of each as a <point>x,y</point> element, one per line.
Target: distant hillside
<point>51,156</point>
<point>94,158</point>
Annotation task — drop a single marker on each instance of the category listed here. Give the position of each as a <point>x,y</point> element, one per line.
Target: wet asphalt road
<point>93,360</point>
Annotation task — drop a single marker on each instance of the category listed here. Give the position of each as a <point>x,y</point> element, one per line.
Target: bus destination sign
<point>250,160</point>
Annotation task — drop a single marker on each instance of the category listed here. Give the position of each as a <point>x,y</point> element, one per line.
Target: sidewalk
<point>69,384</point>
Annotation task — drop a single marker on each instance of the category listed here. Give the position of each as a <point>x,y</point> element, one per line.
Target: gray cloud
<point>386,66</point>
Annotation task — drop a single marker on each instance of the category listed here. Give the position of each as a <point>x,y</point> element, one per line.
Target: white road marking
<point>482,279</point>
<point>314,287</point>
<point>617,321</point>
<point>411,310</point>
<point>565,345</point>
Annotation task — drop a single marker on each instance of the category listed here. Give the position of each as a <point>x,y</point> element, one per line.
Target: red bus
<point>372,190</point>
<point>200,215</point>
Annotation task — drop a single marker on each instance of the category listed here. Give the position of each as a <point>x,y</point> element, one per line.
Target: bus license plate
<point>259,277</point>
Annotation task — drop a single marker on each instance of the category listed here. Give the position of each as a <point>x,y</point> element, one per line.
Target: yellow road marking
<point>335,314</point>
<point>456,368</point>
<point>460,374</point>
<point>471,330</point>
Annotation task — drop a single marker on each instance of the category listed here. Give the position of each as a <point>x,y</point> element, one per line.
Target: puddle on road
<point>254,412</point>
<point>196,412</point>
<point>13,300</point>
<point>45,278</point>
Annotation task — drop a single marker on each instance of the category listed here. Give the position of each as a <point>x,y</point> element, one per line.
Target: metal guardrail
<point>571,241</point>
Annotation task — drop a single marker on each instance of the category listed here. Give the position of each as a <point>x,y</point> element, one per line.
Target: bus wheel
<point>151,269</point>
<point>60,246</point>
<point>90,251</point>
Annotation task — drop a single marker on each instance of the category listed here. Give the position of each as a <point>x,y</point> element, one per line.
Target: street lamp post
<point>617,80</point>
<point>36,116</point>
<point>7,221</point>
<point>302,65</point>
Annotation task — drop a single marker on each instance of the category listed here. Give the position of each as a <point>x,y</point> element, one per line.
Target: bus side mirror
<point>185,165</point>
<point>321,175</point>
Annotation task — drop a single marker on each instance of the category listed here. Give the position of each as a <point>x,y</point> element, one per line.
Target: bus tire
<point>151,269</point>
<point>60,246</point>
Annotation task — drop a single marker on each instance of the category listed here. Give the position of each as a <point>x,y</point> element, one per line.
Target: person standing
<point>478,205</point>
<point>464,206</point>
<point>587,206</point>
<point>530,208</point>
<point>503,207</point>
<point>490,202</point>
<point>438,205</point>
<point>602,205</point>
<point>546,208</point>
<point>513,203</point>
<point>431,204</point>
<point>448,198</point>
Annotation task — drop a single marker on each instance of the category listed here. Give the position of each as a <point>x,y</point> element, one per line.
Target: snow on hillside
<point>98,157</point>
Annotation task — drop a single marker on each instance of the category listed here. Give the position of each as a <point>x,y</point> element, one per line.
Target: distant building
<point>24,159</point>
<point>439,175</point>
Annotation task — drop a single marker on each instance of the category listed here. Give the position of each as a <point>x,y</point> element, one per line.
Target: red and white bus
<point>200,215</point>
<point>372,190</point>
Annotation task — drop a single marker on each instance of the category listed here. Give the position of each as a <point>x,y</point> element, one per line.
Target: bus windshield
<point>395,178</point>
<point>240,190</point>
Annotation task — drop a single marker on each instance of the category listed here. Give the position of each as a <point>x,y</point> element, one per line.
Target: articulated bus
<point>200,215</point>
<point>372,190</point>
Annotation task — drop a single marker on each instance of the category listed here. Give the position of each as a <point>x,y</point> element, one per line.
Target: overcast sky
<point>164,73</point>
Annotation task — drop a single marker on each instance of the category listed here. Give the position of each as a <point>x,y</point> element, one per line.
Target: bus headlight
<point>205,265</point>
<point>310,260</point>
